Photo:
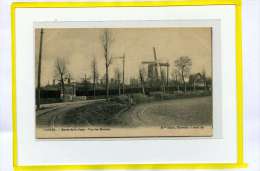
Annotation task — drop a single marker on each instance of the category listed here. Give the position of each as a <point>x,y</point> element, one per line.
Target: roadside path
<point>49,114</point>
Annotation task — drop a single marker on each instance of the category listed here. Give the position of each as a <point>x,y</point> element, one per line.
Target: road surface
<point>179,112</point>
<point>50,112</point>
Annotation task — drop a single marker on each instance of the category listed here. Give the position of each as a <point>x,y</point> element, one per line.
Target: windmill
<point>155,68</point>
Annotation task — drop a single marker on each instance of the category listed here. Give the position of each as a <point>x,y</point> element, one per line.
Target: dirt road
<point>50,113</point>
<point>181,112</point>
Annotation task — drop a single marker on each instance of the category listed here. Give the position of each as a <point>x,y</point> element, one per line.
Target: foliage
<point>123,99</point>
<point>138,98</point>
<point>183,65</point>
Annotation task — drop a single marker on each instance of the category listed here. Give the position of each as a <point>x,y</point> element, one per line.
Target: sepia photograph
<point>123,82</point>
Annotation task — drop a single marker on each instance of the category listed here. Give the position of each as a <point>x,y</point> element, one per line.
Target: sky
<point>78,47</point>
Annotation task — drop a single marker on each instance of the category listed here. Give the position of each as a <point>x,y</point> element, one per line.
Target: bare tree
<point>106,43</point>
<point>193,78</point>
<point>61,73</point>
<point>134,82</point>
<point>183,65</point>
<point>204,77</point>
<point>176,78</point>
<point>118,79</point>
<point>163,80</point>
<point>94,75</point>
<point>142,75</point>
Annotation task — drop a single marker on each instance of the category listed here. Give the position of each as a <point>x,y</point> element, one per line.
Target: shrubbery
<point>135,98</point>
<point>140,98</point>
<point>124,99</point>
<point>162,96</point>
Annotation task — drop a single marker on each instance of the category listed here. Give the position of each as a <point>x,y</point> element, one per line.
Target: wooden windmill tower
<point>155,69</point>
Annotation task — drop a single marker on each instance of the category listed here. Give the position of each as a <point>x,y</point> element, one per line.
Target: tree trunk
<point>142,83</point>
<point>62,88</point>
<point>177,83</point>
<point>167,78</point>
<point>163,87</point>
<point>94,88</point>
<point>143,90</point>
<point>119,92</point>
<point>107,86</point>
<point>142,86</point>
<point>183,80</point>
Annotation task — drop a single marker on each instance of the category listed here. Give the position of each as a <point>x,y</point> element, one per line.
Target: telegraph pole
<point>123,74</point>
<point>123,61</point>
<point>167,76</point>
<point>39,71</point>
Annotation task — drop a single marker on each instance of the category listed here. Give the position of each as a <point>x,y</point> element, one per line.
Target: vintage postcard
<point>123,82</point>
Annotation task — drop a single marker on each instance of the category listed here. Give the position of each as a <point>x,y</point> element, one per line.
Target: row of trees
<point>180,77</point>
<point>180,74</point>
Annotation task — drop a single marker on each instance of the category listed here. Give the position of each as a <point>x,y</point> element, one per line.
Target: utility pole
<point>167,75</point>
<point>123,62</point>
<point>123,74</point>
<point>39,71</point>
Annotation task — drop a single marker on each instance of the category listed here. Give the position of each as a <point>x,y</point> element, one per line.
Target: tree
<point>118,79</point>
<point>61,72</point>
<point>193,79</point>
<point>102,81</point>
<point>163,80</point>
<point>134,82</point>
<point>204,77</point>
<point>94,74</point>
<point>106,44</point>
<point>183,65</point>
<point>176,78</point>
<point>142,75</point>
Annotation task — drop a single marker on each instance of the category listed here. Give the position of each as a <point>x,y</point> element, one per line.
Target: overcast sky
<point>78,46</point>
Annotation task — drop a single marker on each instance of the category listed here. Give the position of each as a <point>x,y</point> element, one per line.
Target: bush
<point>179,93</point>
<point>157,95</point>
<point>162,96</point>
<point>140,98</point>
<point>198,93</point>
<point>123,99</point>
<point>50,100</point>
